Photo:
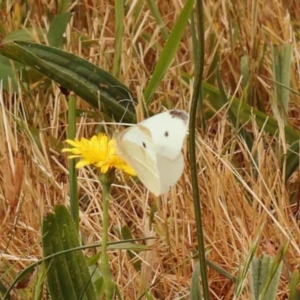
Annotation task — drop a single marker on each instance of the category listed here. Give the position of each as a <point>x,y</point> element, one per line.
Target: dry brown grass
<point>239,201</point>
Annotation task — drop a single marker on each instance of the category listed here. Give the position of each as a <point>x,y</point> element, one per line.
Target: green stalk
<point>109,285</point>
<point>197,97</point>
<point>74,203</point>
<point>119,33</point>
<point>158,18</point>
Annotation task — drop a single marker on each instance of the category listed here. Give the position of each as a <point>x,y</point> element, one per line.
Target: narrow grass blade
<point>282,70</point>
<point>234,117</point>
<point>169,51</point>
<point>245,71</point>
<point>245,112</point>
<point>3,291</point>
<point>294,293</point>
<point>195,286</point>
<point>126,234</point>
<point>291,160</point>
<point>270,125</point>
<point>40,282</point>
<point>63,6</point>
<point>244,271</point>
<point>157,16</point>
<point>119,30</point>
<point>197,100</point>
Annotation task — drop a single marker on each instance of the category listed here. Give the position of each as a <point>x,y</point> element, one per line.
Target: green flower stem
<point>198,99</point>
<point>109,285</point>
<point>74,204</point>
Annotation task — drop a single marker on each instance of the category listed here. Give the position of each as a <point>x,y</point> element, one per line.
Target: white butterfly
<point>153,149</point>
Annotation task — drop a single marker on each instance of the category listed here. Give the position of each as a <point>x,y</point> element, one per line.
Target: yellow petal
<point>82,163</point>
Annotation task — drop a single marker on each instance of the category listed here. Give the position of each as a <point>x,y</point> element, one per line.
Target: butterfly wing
<point>169,172</point>
<point>153,149</point>
<point>135,146</point>
<point>168,131</point>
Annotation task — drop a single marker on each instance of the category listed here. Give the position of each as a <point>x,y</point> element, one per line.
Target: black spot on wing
<point>144,145</point>
<point>180,114</point>
<point>166,134</point>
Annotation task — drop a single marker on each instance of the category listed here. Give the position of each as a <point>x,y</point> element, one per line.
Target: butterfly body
<point>153,149</point>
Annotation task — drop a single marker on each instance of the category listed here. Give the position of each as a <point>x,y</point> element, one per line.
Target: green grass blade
<point>157,16</point>
<point>74,202</point>
<point>26,34</point>
<point>63,6</point>
<point>195,288</point>
<point>169,51</point>
<point>245,70</point>
<point>3,291</point>
<point>245,268</point>
<point>282,70</point>
<point>245,112</point>
<point>7,74</point>
<point>294,293</point>
<point>234,117</point>
<point>269,124</point>
<point>291,160</point>
<point>40,282</point>
<point>119,31</point>
<point>136,261</point>
<point>197,101</point>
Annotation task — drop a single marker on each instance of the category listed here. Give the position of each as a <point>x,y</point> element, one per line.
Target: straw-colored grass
<point>243,194</point>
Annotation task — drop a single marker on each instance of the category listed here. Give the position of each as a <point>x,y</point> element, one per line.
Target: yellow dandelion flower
<point>99,151</point>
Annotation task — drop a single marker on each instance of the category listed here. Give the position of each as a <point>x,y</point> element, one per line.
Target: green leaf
<point>7,74</point>
<point>93,84</point>
<point>63,5</point>
<point>76,262</point>
<point>57,29</point>
<point>26,34</point>
<point>282,74</point>
<point>59,280</point>
<point>264,279</point>
<point>67,274</point>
